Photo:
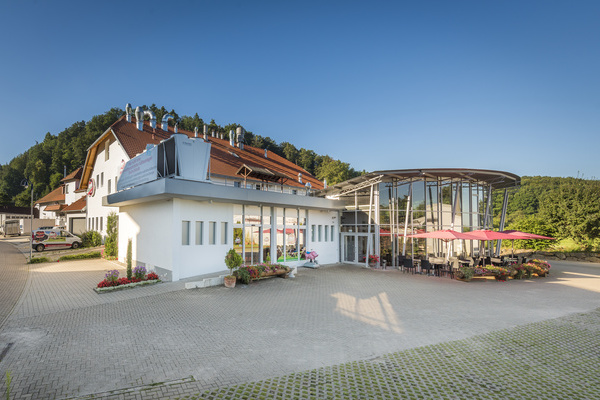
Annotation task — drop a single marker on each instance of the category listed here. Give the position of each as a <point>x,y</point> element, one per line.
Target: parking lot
<point>63,340</point>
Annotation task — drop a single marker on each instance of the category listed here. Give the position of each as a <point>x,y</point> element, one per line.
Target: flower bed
<point>247,273</point>
<point>515,271</point>
<point>113,282</point>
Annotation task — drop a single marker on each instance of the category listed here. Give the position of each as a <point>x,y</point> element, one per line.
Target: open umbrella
<point>446,235</point>
<point>486,235</point>
<point>527,236</point>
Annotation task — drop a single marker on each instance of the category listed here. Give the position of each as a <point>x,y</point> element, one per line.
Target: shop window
<point>331,233</point>
<point>326,233</point>
<point>320,233</point>
<point>185,233</point>
<point>313,233</point>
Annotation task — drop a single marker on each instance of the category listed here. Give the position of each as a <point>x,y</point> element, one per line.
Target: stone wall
<point>549,255</point>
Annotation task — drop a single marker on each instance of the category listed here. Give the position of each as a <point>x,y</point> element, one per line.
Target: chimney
<point>212,133</point>
<point>221,135</point>
<point>165,122</point>
<point>266,154</point>
<point>196,131</point>
<point>139,118</point>
<point>128,112</point>
<point>152,118</point>
<point>231,139</point>
<point>324,183</point>
<point>239,133</point>
<point>205,132</point>
<point>299,177</point>
<point>176,128</point>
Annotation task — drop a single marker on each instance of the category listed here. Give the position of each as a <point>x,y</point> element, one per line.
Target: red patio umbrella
<point>486,235</point>
<point>519,234</point>
<point>445,234</point>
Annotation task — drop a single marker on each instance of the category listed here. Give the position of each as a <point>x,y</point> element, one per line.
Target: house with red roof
<point>185,198</point>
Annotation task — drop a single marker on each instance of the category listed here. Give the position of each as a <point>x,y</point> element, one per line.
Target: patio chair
<point>409,265</point>
<point>426,266</point>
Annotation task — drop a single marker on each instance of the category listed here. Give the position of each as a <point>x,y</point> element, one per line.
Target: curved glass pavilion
<point>382,207</point>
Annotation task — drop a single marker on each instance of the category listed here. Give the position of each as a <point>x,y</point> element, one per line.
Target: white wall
<point>70,195</point>
<point>328,251</point>
<point>110,170</point>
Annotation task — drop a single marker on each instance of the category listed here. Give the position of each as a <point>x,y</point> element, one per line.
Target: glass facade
<point>377,217</point>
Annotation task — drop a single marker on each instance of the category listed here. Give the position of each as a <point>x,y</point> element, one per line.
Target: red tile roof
<point>76,206</point>
<point>55,196</point>
<point>73,175</point>
<point>54,207</point>
<point>223,156</point>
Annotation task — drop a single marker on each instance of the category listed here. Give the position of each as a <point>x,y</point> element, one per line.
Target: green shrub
<point>83,256</point>
<point>39,260</point>
<point>233,260</point>
<point>91,239</point>
<point>129,259</point>
<point>110,244</point>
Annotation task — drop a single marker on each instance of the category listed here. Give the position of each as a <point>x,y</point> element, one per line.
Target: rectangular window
<point>212,232</point>
<point>313,233</point>
<point>199,232</point>
<point>106,147</point>
<point>101,224</point>
<point>185,233</point>
<point>102,179</point>
<point>109,187</point>
<point>223,232</point>
<point>332,237</point>
<point>67,188</point>
<point>326,233</point>
<point>320,233</point>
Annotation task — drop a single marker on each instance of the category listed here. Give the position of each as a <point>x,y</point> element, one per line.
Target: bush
<point>39,260</point>
<point>91,239</point>
<point>139,272</point>
<point>84,256</point>
<point>110,244</point>
<point>129,259</point>
<point>233,260</point>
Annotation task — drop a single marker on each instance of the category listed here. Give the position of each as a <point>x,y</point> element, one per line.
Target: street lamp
<point>25,183</point>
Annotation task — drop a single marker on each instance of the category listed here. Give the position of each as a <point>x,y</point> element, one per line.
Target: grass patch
<point>39,260</point>
<point>82,256</point>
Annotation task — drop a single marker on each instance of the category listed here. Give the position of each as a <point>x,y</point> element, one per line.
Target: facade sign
<point>140,169</point>
<point>91,188</point>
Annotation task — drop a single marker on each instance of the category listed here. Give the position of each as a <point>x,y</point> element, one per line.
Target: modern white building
<point>184,199</point>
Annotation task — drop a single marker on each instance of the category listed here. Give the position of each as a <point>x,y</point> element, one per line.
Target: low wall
<point>550,255</point>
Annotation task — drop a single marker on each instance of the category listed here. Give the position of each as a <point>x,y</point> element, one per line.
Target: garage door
<point>77,225</point>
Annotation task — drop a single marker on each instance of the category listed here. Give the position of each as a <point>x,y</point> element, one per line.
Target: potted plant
<point>373,260</point>
<point>465,273</point>
<point>233,260</point>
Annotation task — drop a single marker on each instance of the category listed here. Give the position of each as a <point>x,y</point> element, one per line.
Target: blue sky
<point>512,85</point>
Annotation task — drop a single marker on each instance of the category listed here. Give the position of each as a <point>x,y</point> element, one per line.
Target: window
<point>109,189</point>
<point>106,147</point>
<point>320,233</point>
<point>313,232</point>
<point>102,179</point>
<point>223,232</point>
<point>332,237</point>
<point>199,232</point>
<point>257,187</point>
<point>237,184</point>
<point>96,224</point>
<point>212,232</point>
<point>67,188</point>
<point>101,224</point>
<point>294,191</point>
<point>326,233</point>
<point>185,233</point>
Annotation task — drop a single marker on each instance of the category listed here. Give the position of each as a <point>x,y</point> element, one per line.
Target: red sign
<point>91,188</point>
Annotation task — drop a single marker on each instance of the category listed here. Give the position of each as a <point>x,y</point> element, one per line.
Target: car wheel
<point>39,248</point>
<point>75,245</point>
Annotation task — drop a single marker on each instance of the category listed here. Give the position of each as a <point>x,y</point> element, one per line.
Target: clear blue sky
<point>506,85</point>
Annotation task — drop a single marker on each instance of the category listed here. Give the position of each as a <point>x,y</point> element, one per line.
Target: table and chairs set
<point>440,266</point>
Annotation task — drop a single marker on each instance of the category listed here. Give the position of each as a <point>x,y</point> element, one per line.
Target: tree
<point>112,235</point>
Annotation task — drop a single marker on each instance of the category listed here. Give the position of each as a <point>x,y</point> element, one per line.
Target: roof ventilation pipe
<point>324,183</point>
<point>196,131</point>
<point>128,111</point>
<point>308,186</point>
<point>221,135</point>
<point>152,117</point>
<point>299,177</point>
<point>176,127</point>
<point>239,136</point>
<point>139,118</point>
<point>205,131</point>
<point>266,156</point>
<point>165,122</point>
<point>231,138</point>
<point>212,133</point>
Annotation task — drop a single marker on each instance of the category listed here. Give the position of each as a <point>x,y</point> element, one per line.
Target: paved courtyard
<point>63,340</point>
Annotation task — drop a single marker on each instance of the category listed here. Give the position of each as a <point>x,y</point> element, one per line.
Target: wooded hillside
<point>43,164</point>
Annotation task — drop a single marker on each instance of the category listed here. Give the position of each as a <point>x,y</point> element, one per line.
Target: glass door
<point>349,248</point>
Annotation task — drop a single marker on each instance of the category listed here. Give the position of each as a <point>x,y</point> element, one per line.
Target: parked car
<point>54,239</point>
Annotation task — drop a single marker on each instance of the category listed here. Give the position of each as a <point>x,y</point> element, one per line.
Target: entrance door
<point>362,248</point>
<point>349,248</point>
<point>252,242</point>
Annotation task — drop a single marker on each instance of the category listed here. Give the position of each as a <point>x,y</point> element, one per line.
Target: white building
<point>184,212</point>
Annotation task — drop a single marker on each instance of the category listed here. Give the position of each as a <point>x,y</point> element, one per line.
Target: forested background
<point>43,164</point>
<point>565,208</point>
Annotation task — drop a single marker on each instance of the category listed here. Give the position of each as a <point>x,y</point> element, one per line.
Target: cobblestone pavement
<point>13,277</point>
<point>164,342</point>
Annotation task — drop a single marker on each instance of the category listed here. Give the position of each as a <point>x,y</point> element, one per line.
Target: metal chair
<point>409,265</point>
<point>426,265</point>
